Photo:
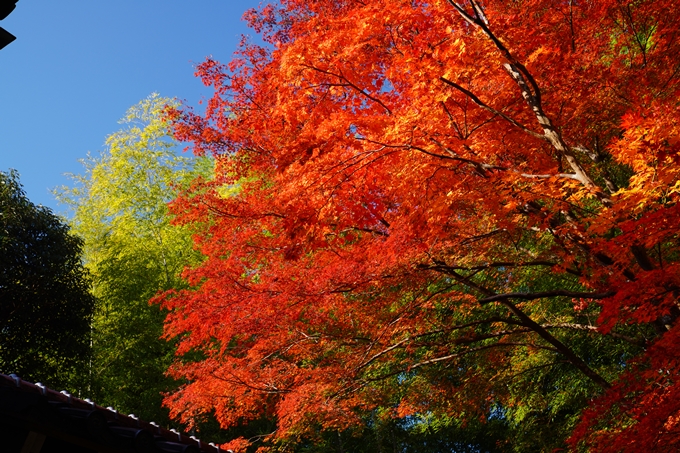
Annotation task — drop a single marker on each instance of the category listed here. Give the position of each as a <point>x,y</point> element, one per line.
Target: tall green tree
<point>45,302</point>
<point>133,251</point>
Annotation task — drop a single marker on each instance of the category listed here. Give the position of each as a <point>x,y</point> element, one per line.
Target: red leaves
<point>641,412</point>
<point>386,165</point>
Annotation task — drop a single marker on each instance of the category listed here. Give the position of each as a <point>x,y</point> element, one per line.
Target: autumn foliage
<point>425,206</point>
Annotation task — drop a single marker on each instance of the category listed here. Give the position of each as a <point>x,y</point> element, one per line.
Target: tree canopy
<point>132,251</point>
<point>45,300</point>
<point>466,209</point>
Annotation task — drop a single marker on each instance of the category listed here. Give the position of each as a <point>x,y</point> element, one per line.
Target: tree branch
<point>533,325</point>
<point>441,266</point>
<point>454,356</point>
<point>532,95</point>
<point>570,325</point>
<point>351,85</point>
<point>488,108</point>
<point>544,294</point>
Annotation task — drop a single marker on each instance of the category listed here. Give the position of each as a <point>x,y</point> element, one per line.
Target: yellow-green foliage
<point>133,251</point>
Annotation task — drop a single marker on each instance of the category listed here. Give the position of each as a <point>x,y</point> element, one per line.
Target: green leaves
<point>133,251</point>
<point>45,303</point>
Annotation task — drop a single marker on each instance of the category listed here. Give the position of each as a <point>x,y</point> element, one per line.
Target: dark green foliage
<point>413,435</point>
<point>45,303</point>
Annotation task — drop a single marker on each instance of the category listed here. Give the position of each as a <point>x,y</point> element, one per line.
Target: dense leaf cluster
<point>45,301</point>
<point>430,226</point>
<point>450,209</point>
<point>132,251</point>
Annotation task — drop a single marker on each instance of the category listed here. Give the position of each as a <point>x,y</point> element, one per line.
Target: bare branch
<point>457,355</point>
<point>544,294</point>
<point>462,340</point>
<point>442,266</point>
<point>574,326</point>
<point>561,347</point>
<point>533,325</point>
<point>532,95</point>
<point>488,108</point>
<point>350,84</point>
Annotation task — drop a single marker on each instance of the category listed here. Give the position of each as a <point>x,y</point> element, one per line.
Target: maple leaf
<point>423,189</point>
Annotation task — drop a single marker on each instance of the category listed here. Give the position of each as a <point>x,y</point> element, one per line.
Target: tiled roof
<point>37,419</point>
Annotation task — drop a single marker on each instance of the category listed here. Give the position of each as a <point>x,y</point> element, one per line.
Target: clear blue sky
<point>78,65</point>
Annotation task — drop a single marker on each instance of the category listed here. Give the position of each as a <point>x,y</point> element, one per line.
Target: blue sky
<point>78,65</point>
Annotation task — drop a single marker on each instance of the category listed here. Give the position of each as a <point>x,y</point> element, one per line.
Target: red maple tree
<point>411,195</point>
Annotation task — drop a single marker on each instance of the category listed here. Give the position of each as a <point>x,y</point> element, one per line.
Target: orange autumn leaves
<point>386,167</point>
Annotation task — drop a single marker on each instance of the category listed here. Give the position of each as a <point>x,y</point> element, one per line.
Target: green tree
<point>45,303</point>
<point>132,250</point>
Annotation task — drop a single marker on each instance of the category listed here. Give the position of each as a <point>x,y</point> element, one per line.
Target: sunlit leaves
<point>386,166</point>
<point>132,250</point>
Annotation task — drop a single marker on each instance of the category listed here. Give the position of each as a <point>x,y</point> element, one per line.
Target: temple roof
<point>36,419</point>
